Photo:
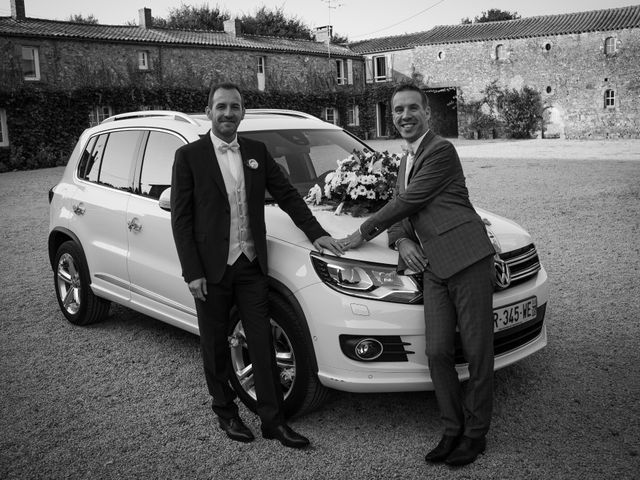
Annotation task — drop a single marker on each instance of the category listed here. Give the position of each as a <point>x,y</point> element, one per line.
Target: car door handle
<point>133,225</point>
<point>78,208</point>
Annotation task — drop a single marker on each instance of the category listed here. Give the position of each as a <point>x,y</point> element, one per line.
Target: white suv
<point>110,241</point>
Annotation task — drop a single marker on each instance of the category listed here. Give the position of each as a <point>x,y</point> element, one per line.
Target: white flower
<point>315,194</point>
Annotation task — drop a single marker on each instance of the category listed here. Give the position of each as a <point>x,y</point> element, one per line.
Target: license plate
<point>514,314</point>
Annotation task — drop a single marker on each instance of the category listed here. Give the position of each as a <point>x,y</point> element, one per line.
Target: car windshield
<point>307,156</point>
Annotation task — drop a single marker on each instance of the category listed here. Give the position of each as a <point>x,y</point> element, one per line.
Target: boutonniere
<point>252,164</point>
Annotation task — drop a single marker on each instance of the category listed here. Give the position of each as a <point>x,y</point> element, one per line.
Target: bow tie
<point>407,149</point>
<point>233,146</point>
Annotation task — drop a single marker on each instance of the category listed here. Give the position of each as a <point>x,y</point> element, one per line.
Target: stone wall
<point>571,72</point>
<point>69,64</point>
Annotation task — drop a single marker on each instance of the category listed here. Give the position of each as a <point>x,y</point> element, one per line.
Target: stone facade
<point>68,64</point>
<point>572,72</point>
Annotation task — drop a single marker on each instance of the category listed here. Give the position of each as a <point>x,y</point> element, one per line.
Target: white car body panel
<point>140,269</point>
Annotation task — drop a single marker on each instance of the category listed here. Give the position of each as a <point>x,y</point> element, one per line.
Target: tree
<point>274,23</point>
<point>78,18</point>
<point>187,17</point>
<point>341,39</point>
<point>522,111</point>
<point>492,15</point>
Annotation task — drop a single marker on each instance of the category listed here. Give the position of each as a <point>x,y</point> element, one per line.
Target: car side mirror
<point>164,202</point>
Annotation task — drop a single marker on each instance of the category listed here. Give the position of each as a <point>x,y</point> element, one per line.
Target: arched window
<point>500,52</point>
<point>610,46</point>
<point>609,99</point>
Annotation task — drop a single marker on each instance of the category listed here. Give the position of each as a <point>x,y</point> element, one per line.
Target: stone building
<point>62,56</point>
<point>586,65</point>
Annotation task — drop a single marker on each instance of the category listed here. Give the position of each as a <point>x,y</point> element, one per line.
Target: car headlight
<point>367,280</point>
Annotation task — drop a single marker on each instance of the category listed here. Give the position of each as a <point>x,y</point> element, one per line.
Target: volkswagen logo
<point>503,272</point>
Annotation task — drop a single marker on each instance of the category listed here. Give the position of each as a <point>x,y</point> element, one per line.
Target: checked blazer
<point>200,211</point>
<point>435,210</point>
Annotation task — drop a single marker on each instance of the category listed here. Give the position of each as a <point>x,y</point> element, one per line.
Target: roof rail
<point>290,113</point>
<point>152,113</point>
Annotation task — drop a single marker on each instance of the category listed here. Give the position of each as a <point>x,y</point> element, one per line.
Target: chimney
<point>233,27</point>
<point>323,34</point>
<point>146,20</point>
<point>17,9</point>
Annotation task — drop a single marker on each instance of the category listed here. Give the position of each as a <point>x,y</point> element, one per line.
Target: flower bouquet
<point>361,185</point>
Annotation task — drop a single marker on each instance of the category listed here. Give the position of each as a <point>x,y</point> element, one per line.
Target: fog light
<point>368,349</point>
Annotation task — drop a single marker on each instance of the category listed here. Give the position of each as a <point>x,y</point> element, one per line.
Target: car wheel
<point>301,388</point>
<point>71,277</point>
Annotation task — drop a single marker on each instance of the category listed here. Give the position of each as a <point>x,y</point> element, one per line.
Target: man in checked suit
<point>437,232</point>
<point>217,217</point>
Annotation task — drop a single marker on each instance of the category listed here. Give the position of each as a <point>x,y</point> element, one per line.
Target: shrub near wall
<point>44,125</point>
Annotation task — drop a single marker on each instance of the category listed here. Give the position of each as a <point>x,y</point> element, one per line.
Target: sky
<point>356,19</point>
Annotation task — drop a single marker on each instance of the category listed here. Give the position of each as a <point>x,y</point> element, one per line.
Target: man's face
<point>225,113</point>
<point>410,116</point>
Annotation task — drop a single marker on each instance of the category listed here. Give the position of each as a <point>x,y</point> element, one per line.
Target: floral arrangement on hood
<point>360,185</point>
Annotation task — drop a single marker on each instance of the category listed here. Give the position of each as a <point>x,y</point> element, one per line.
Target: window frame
<point>144,62</point>
<point>334,115</point>
<point>262,65</point>
<point>341,77</point>
<point>4,132</point>
<point>610,46</point>
<point>500,52</point>
<point>609,98</point>
<point>353,116</point>
<point>377,76</point>
<point>35,59</point>
<point>96,117</point>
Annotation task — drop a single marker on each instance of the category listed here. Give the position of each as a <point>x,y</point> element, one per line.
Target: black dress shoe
<point>467,451</point>
<point>447,444</point>
<point>236,429</point>
<point>286,436</point>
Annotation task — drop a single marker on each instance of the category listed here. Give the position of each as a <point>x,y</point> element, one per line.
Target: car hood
<point>508,234</point>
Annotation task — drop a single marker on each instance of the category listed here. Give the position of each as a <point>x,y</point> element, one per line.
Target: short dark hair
<point>223,86</point>
<point>411,87</point>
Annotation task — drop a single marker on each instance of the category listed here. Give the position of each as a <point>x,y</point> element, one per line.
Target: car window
<point>107,159</point>
<point>118,158</point>
<point>157,162</point>
<point>306,156</point>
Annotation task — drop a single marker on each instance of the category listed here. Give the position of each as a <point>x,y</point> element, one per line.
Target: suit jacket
<point>200,211</point>
<point>435,208</point>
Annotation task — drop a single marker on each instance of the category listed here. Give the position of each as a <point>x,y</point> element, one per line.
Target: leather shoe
<point>236,429</point>
<point>467,451</point>
<point>286,436</point>
<point>447,444</point>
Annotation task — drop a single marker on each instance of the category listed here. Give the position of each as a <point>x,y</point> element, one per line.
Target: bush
<point>521,111</point>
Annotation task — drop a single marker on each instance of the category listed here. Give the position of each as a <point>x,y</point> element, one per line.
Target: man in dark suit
<point>437,233</point>
<point>217,217</point>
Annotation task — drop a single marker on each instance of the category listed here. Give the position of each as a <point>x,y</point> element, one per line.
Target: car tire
<point>73,290</point>
<point>301,388</point>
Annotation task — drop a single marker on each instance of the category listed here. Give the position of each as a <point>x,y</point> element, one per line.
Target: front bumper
<point>339,314</point>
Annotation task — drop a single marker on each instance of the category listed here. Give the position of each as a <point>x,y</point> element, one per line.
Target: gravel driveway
<point>126,398</point>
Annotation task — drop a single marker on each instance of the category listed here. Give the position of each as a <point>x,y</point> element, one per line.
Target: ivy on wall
<point>44,124</point>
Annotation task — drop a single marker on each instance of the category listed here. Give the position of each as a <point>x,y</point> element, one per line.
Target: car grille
<point>523,264</point>
<point>509,339</point>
